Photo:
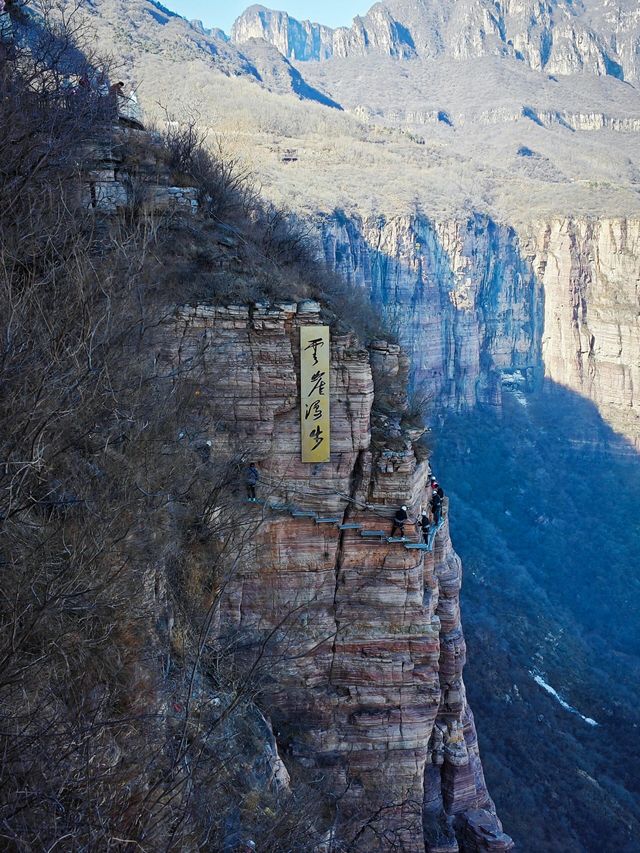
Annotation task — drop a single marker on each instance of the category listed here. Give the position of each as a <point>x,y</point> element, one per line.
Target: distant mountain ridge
<point>144,28</point>
<point>558,36</point>
<point>445,134</point>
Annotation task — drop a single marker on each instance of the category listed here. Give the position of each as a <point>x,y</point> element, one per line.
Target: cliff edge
<point>366,646</point>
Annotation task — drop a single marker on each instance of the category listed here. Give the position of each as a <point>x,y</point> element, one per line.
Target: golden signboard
<point>314,393</point>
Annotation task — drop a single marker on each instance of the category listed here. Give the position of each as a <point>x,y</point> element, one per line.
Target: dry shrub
<point>277,252</point>
<point>114,532</point>
<point>225,187</point>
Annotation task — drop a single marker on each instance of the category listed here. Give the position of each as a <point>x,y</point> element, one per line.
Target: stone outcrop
<point>365,681</point>
<point>113,179</point>
<point>547,118</point>
<point>560,37</point>
<point>479,304</point>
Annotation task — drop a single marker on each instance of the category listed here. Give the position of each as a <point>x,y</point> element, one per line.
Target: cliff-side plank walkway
<point>377,536</point>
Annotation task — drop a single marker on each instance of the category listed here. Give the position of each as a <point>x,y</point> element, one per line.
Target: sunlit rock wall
<point>590,274</point>
<point>559,37</point>
<point>477,304</point>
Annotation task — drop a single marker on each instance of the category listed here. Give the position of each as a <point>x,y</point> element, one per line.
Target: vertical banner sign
<point>314,393</point>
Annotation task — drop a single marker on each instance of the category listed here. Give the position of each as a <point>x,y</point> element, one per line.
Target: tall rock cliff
<point>294,39</point>
<point>590,276</point>
<point>360,639</point>
<point>462,298</point>
<point>365,649</point>
<point>478,304</point>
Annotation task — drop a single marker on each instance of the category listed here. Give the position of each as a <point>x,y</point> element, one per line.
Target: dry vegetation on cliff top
<point>387,153</point>
<point>124,719</point>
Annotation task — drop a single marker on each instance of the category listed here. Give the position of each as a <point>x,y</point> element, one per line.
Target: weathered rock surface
<point>478,304</point>
<point>590,274</point>
<point>560,37</point>
<point>366,662</point>
<point>113,180</point>
<point>294,39</point>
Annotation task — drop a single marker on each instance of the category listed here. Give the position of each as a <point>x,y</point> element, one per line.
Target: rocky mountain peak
<point>294,39</point>
<point>559,36</point>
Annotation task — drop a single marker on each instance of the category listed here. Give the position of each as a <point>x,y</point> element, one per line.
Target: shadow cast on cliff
<point>448,291</point>
<point>544,507</point>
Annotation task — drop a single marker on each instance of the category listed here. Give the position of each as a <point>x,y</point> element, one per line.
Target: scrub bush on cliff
<point>278,248</point>
<point>98,503</point>
<point>225,187</point>
<point>83,481</point>
<point>76,445</point>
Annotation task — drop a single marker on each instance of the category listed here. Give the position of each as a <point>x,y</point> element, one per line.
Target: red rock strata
<point>366,687</point>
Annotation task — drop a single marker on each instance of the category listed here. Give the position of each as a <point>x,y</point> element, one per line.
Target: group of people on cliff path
<point>252,478</point>
<point>425,521</point>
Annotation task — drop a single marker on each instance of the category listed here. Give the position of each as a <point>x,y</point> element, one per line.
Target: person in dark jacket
<point>425,524</point>
<point>399,520</point>
<point>251,479</point>
<point>436,505</point>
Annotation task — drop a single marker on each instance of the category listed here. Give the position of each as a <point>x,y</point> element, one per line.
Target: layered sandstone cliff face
<point>590,276</point>
<point>366,688</point>
<point>478,304</point>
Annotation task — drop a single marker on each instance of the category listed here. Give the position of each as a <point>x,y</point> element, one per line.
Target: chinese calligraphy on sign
<point>314,393</point>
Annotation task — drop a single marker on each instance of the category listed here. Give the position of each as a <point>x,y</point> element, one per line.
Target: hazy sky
<point>222,13</point>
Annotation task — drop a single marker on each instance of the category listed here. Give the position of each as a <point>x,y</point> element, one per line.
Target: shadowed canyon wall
<point>478,304</point>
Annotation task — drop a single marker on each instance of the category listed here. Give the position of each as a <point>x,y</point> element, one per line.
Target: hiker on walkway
<point>116,96</point>
<point>436,504</point>
<point>116,90</point>
<point>251,479</point>
<point>399,520</point>
<point>425,525</point>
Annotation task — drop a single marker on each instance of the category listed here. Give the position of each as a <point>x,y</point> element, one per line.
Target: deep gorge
<point>477,304</point>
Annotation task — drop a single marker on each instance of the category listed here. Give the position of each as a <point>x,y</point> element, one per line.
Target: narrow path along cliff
<point>366,688</point>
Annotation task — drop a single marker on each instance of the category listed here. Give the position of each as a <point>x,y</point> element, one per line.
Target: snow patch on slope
<point>549,689</point>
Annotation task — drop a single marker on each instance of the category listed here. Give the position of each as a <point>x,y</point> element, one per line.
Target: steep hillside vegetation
<point>119,705</point>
